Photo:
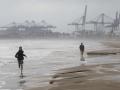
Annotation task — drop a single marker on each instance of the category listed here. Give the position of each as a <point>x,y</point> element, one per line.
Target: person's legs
<point>19,63</point>
<point>21,69</point>
<point>81,53</point>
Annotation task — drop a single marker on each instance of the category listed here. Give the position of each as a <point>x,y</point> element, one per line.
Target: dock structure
<point>101,23</point>
<point>43,25</point>
<point>80,21</point>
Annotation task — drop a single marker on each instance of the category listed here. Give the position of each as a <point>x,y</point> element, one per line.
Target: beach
<point>97,72</point>
<point>51,66</point>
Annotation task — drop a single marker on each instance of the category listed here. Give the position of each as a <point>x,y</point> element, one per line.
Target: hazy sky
<point>56,12</point>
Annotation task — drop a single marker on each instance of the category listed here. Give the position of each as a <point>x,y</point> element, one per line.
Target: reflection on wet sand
<point>22,81</point>
<point>82,58</point>
<point>83,61</point>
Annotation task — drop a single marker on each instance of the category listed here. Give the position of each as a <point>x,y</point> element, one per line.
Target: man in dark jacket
<point>81,48</point>
<point>20,57</point>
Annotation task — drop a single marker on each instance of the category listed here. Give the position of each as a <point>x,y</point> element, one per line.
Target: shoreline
<point>87,77</point>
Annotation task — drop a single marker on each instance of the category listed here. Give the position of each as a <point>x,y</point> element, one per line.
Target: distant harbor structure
<point>30,29</point>
<point>102,25</point>
<point>43,25</point>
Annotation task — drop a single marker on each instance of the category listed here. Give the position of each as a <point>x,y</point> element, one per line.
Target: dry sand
<point>87,77</point>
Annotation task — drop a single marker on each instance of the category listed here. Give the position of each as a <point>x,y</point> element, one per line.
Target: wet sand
<point>88,77</point>
<point>93,77</point>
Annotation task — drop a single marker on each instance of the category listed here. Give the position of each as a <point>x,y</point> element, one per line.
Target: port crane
<point>101,22</point>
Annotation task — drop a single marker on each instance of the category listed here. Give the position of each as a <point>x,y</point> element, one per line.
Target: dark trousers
<point>20,62</point>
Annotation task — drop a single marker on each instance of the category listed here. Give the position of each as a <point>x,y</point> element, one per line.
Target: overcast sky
<point>56,12</point>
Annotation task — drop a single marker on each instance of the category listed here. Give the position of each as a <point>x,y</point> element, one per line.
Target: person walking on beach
<point>20,57</point>
<point>82,49</point>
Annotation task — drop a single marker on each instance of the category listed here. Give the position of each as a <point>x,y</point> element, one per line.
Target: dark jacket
<point>81,47</point>
<point>20,55</point>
